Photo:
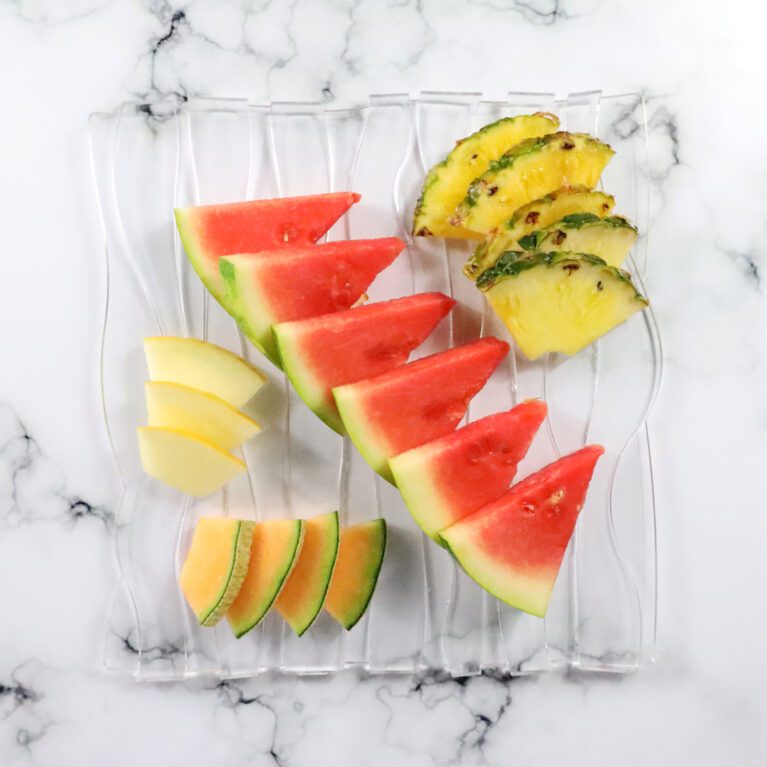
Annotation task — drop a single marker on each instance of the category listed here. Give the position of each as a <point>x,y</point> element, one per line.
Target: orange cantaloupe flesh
<point>360,554</point>
<point>274,551</point>
<point>215,566</point>
<point>302,597</point>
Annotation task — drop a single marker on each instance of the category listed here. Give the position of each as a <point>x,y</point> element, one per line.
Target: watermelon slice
<point>415,403</point>
<point>360,555</point>
<point>263,289</point>
<point>334,349</point>
<point>211,231</point>
<point>446,480</point>
<point>513,547</point>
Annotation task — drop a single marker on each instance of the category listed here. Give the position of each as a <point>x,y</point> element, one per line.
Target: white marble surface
<point>704,701</point>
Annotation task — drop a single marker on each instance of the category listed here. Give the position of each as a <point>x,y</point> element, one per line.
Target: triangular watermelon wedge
<point>514,546</point>
<point>211,231</point>
<point>265,288</point>
<point>415,403</point>
<point>334,349</point>
<point>446,480</point>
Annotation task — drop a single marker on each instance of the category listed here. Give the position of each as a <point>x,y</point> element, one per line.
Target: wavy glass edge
<point>484,654</point>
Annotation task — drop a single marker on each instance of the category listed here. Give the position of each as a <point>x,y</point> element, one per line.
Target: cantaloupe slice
<point>274,551</point>
<point>302,597</point>
<point>215,566</point>
<point>192,465</point>
<point>360,554</point>
<point>179,407</point>
<point>203,366</point>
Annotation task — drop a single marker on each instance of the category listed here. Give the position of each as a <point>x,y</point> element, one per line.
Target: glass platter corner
<point>426,614</point>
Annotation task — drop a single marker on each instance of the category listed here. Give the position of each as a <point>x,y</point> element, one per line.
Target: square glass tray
<point>425,614</point>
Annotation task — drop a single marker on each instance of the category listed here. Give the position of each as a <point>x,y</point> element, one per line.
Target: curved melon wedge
<point>211,231</point>
<point>263,289</point>
<point>528,171</point>
<point>334,349</point>
<point>183,408</point>
<point>203,366</point>
<point>273,553</point>
<point>444,481</point>
<point>415,403</point>
<point>514,546</point>
<point>303,595</point>
<point>360,555</point>
<point>215,566</point>
<point>193,466</point>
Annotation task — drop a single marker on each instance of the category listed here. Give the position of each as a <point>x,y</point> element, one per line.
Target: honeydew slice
<point>215,566</point>
<point>190,464</point>
<point>203,366</point>
<point>302,597</point>
<point>273,553</point>
<point>360,555</point>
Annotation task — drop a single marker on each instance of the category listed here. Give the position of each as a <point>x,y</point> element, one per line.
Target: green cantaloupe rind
<point>300,622</point>
<point>356,424</point>
<point>369,575</point>
<point>245,302</point>
<point>512,587</point>
<point>280,576</point>
<point>238,569</point>
<point>418,489</point>
<point>311,391</point>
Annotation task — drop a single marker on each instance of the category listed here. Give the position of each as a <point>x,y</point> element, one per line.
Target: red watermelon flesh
<point>513,547</point>
<point>263,289</point>
<point>446,480</point>
<point>334,349</point>
<point>415,403</point>
<point>211,231</point>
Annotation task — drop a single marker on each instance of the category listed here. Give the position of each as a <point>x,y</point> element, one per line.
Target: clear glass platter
<point>425,614</point>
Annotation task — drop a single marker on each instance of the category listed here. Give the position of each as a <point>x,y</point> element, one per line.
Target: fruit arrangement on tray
<point>547,260</point>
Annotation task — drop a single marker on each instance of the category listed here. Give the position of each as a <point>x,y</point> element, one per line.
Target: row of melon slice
<point>239,569</point>
<point>549,261</point>
<point>195,402</point>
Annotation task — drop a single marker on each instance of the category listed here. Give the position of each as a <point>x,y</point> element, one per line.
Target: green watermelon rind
<point>351,410</point>
<point>533,598</point>
<point>247,305</point>
<point>306,385</point>
<point>210,276</point>
<point>417,487</point>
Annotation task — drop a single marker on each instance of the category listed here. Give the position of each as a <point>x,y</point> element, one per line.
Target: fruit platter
<point>377,383</point>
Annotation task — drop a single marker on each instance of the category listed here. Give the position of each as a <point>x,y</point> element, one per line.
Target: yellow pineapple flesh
<point>530,170</point>
<point>447,182</point>
<point>558,302</point>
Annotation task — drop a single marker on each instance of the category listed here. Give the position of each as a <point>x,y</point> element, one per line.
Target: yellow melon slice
<point>179,407</point>
<point>215,566</point>
<point>203,366</point>
<point>192,465</point>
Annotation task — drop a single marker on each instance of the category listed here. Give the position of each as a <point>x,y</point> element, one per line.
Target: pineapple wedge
<point>447,182</point>
<point>611,238</point>
<point>533,216</point>
<point>558,302</point>
<point>531,169</point>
